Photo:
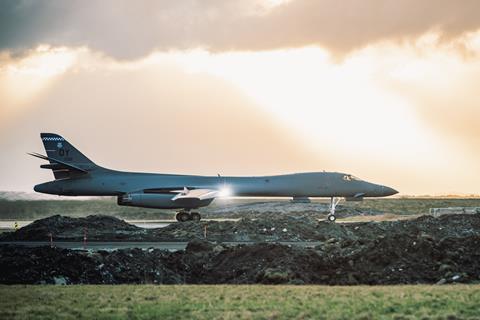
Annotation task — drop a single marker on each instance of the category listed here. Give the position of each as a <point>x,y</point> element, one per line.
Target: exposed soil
<point>67,228</point>
<point>392,259</point>
<point>286,228</point>
<point>424,250</point>
<point>275,209</point>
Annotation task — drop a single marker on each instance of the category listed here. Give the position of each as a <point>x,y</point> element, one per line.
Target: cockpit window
<point>349,177</point>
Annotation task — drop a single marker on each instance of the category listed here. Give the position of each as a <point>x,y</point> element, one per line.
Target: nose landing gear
<point>183,216</point>
<point>333,204</point>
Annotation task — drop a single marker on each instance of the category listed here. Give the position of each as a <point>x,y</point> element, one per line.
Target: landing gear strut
<point>183,216</point>
<point>333,204</point>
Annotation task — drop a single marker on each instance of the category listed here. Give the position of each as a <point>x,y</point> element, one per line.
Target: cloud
<point>131,29</point>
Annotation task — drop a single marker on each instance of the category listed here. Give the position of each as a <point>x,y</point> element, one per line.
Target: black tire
<point>182,216</point>
<point>331,218</point>
<point>195,216</point>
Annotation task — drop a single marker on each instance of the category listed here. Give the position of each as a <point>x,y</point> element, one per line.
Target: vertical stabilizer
<point>58,148</point>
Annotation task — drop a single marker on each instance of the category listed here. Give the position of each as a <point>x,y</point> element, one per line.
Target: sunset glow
<point>401,110</point>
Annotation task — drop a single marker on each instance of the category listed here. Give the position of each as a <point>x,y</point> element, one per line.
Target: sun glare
<point>347,109</point>
<point>45,62</point>
<point>24,78</point>
<point>329,106</point>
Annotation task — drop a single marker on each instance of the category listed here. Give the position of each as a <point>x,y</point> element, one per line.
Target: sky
<point>386,90</point>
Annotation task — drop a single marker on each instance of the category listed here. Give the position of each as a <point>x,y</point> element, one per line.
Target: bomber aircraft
<point>76,175</point>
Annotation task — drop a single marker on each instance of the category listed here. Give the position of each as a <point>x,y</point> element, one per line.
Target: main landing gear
<point>333,204</point>
<point>183,216</point>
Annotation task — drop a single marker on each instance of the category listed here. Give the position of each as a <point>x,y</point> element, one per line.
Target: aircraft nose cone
<point>387,191</point>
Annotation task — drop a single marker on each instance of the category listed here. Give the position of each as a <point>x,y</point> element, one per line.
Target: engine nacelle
<point>159,201</point>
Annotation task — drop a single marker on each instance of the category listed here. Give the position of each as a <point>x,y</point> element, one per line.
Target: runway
<point>115,245</point>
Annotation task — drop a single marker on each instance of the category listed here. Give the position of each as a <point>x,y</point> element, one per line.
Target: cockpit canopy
<point>349,177</point>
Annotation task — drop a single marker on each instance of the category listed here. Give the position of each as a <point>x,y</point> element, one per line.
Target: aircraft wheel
<point>182,216</point>
<point>331,218</point>
<point>195,216</point>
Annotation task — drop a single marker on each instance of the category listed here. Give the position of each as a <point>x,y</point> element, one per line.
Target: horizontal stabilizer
<point>57,165</point>
<point>51,166</point>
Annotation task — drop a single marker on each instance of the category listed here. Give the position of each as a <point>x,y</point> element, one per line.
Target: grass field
<point>240,302</point>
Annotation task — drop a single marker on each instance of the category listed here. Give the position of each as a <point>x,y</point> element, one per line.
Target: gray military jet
<point>76,175</point>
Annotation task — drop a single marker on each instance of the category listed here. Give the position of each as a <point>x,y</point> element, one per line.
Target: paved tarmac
<point>109,246</point>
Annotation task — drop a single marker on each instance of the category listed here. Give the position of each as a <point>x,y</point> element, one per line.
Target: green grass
<point>240,302</point>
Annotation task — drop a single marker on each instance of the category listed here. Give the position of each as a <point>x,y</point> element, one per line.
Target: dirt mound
<point>286,228</point>
<point>276,209</point>
<point>423,250</point>
<point>98,227</point>
<point>280,229</point>
<point>391,259</point>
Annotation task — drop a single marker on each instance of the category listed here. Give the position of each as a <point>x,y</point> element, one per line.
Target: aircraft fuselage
<point>312,184</point>
<point>76,175</point>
